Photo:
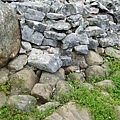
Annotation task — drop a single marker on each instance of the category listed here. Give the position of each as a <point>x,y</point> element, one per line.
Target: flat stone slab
<point>70,111</point>
<point>47,62</point>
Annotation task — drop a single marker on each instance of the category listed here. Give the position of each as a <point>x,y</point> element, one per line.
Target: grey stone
<point>26,46</point>
<point>67,52</point>
<point>106,84</point>
<point>94,31</point>
<point>112,52</point>
<point>79,76</point>
<point>22,102</point>
<point>32,14</point>
<point>61,26</point>
<point>48,105</point>
<point>3,75</point>
<point>94,10</point>
<point>94,71</point>
<point>3,99</point>
<point>74,39</point>
<point>70,111</point>
<point>69,9</point>
<point>83,39</point>
<point>56,6</point>
<point>66,61</point>
<point>51,79</point>
<point>18,63</point>
<point>117,15</point>
<point>93,44</point>
<point>118,112</point>
<point>37,26</point>
<point>81,49</point>
<point>42,91</point>
<point>47,62</point>
<point>23,81</point>
<point>111,40</point>
<point>22,51</point>
<point>54,35</point>
<point>29,35</point>
<point>9,34</point>
<point>75,20</point>
<point>80,29</point>
<point>55,16</point>
<point>92,58</point>
<point>50,42</point>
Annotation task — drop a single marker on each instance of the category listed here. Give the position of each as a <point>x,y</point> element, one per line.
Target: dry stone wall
<point>52,32</point>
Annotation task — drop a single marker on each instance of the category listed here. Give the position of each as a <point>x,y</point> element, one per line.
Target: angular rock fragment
<point>47,62</point>
<point>3,99</point>
<point>55,16</point>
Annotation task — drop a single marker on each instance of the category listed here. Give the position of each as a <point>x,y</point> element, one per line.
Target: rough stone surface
<point>61,26</point>
<point>93,58</point>
<point>89,86</point>
<point>46,62</point>
<point>112,52</point>
<point>106,84</point>
<point>3,75</point>
<point>48,105</point>
<point>54,35</point>
<point>51,79</point>
<point>18,63</point>
<point>55,16</point>
<point>32,14</point>
<point>42,91</point>
<point>22,102</point>
<point>3,99</point>
<point>93,44</point>
<point>23,81</point>
<point>94,71</point>
<point>9,34</point>
<point>81,49</point>
<point>66,61</point>
<point>94,31</point>
<point>70,111</point>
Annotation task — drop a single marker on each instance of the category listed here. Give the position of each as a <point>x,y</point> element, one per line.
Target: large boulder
<point>9,34</point>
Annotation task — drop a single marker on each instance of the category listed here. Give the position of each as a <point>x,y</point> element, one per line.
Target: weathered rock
<point>106,84</point>
<point>69,9</point>
<point>117,15</point>
<point>110,40</point>
<point>61,26</point>
<point>93,58</point>
<point>51,79</point>
<point>55,16</point>
<point>118,112</point>
<point>81,49</point>
<point>79,76</point>
<point>50,42</point>
<point>94,71</point>
<point>112,52</point>
<point>37,26</point>
<point>47,62</point>
<point>9,34</point>
<point>70,69</point>
<point>75,20</point>
<point>23,81</point>
<point>18,63</point>
<point>32,14</point>
<point>29,35</point>
<point>93,44</point>
<point>94,31</point>
<point>61,87</point>
<point>3,75</point>
<point>66,61</point>
<point>94,10</point>
<point>54,35</point>
<point>74,39</point>
<point>42,91</point>
<point>48,105</point>
<point>3,99</point>
<point>70,111</point>
<point>26,46</point>
<point>22,102</point>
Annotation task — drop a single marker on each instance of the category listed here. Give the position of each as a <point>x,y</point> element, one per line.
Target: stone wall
<point>54,32</point>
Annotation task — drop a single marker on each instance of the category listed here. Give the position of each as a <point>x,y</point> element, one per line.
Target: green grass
<point>101,107</point>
